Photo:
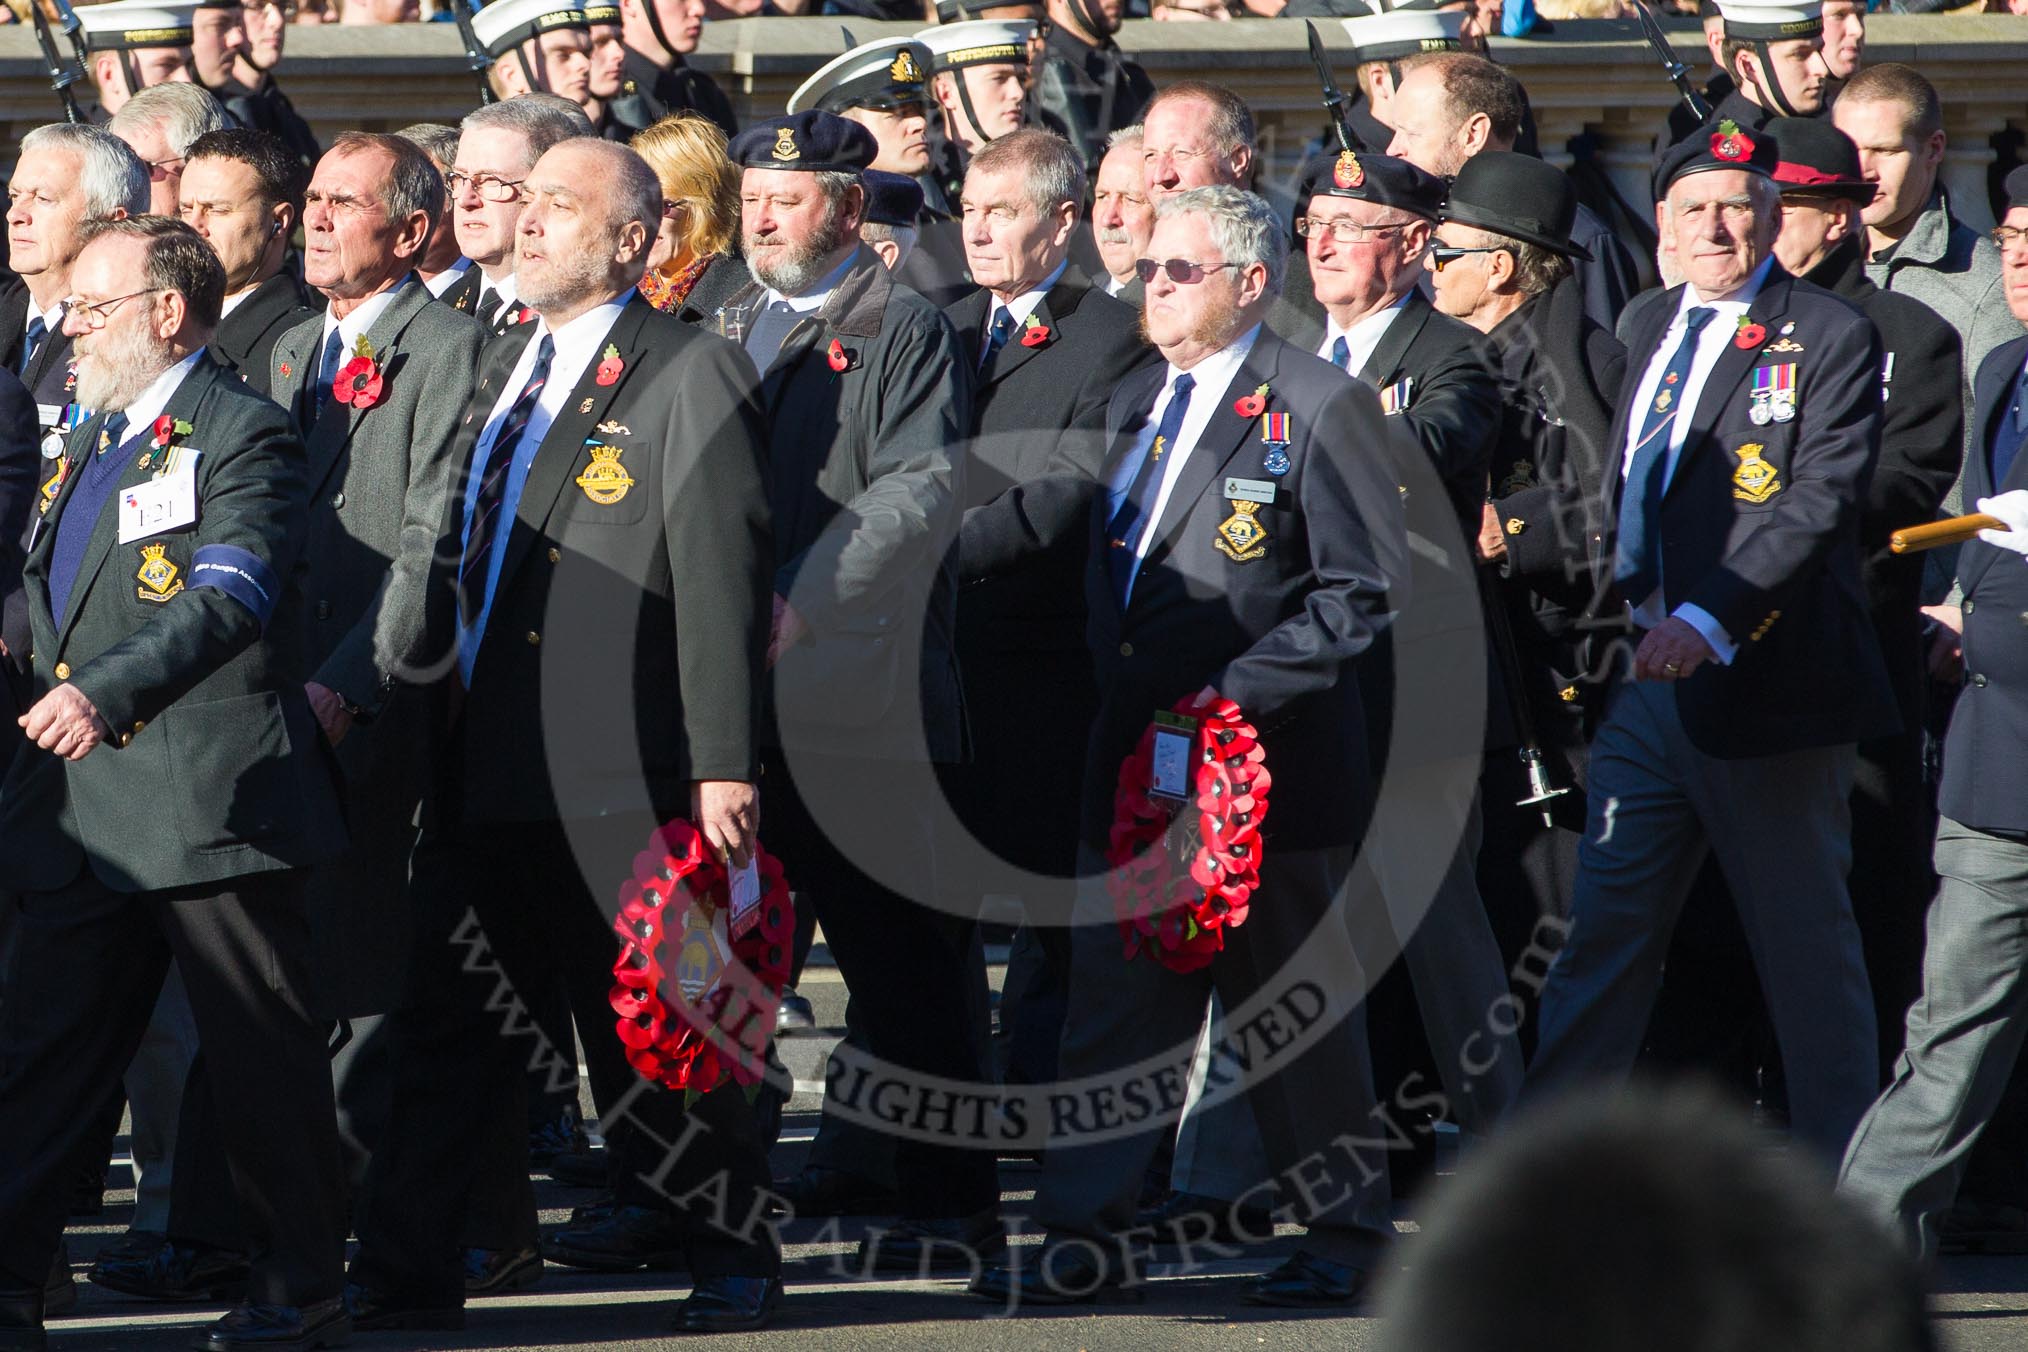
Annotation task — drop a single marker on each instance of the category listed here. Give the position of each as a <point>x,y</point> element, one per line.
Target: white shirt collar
<point>52,318</point>
<point>1025,304</point>
<point>1215,372</point>
<point>448,278</point>
<point>353,325</point>
<point>815,297</point>
<point>578,341</point>
<point>155,398</point>
<point>1114,285</point>
<point>1364,335</point>
<point>503,287</point>
<point>235,300</point>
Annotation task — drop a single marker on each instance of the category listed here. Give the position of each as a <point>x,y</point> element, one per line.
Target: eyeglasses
<point>1342,230</point>
<point>1441,256</point>
<point>159,170</point>
<point>489,187</point>
<point>94,314</point>
<point>2007,236</point>
<point>1181,271</point>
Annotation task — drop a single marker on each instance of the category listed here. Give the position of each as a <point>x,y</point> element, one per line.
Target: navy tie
<point>1637,562</point>
<point>37,331</point>
<point>327,372</point>
<point>478,555</point>
<point>1130,521</point>
<point>1341,354</point>
<point>489,306</point>
<point>2011,432</point>
<point>997,336</point>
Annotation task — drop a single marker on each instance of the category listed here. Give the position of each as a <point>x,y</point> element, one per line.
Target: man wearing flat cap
<point>1501,260</point>
<point>1823,241</point>
<point>1909,1154</point>
<point>864,386</point>
<point>1747,424</point>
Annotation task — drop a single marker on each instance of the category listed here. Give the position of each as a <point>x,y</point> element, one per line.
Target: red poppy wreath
<point>1177,915</point>
<point>704,1014</point>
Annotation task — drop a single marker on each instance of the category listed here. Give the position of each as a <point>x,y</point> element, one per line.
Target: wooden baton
<point>1953,530</point>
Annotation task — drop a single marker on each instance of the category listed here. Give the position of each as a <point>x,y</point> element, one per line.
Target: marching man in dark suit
<point>1747,426</point>
<point>176,791</point>
<point>608,525</point>
<point>1242,549</point>
<point>243,191</point>
<point>1965,1031</point>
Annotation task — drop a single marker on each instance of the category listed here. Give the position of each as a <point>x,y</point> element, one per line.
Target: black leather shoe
<point>59,1293</point>
<point>599,1208</point>
<point>372,1309</point>
<point>969,1244</point>
<point>585,1168</point>
<point>488,1272</point>
<point>249,1327</point>
<point>174,1272</point>
<point>1062,1274</point>
<point>632,1237</point>
<point>21,1322</point>
<point>728,1304</point>
<point>1187,1218</point>
<point>562,1135</point>
<point>1306,1280</point>
<point>796,1012</point>
<point>818,1191</point>
<point>136,1244</point>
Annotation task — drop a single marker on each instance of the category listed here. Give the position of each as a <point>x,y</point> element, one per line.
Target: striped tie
<point>493,486</point>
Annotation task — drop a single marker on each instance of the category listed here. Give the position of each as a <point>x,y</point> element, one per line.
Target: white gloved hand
<point>2011,508</point>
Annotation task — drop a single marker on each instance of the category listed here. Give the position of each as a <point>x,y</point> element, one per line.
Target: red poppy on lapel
<point>840,359</point>
<point>1035,334</point>
<point>358,382</point>
<point>611,366</point>
<point>1750,335</point>
<point>1251,405</point>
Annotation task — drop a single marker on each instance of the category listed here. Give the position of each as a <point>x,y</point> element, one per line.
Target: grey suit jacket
<point>378,480</point>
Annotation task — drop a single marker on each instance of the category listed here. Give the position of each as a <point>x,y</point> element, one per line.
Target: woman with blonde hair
<point>692,268</point>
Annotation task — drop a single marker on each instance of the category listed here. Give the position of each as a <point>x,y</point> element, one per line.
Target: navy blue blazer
<point>1279,632</point>
<point>1985,767</point>
<point>1760,527</point>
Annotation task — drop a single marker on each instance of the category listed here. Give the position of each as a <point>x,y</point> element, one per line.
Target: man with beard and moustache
<point>165,698</point>
<point>443,264</point>
<point>883,86</point>
<point>1454,105</point>
<point>253,97</point>
<point>979,77</point>
<point>497,145</point>
<point>865,387</point>
<point>1122,217</point>
<point>1501,260</point>
<point>1298,597</point>
<point>655,81</point>
<point>537,46</point>
<point>1084,85</point>
<point>551,579</point>
<point>243,192</point>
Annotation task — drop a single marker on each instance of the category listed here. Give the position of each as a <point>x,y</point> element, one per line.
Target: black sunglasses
<point>1181,271</point>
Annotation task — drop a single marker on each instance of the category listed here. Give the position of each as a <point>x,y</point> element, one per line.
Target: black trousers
<point>499,910</point>
<point>916,973</point>
<point>86,967</point>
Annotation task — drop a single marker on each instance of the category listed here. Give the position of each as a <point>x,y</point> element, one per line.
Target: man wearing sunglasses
<point>497,145</point>
<point>1243,470</point>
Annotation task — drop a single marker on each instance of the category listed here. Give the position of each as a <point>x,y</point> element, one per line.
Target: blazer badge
<point>1755,480</point>
<point>605,481</point>
<point>1240,537</point>
<point>158,576</point>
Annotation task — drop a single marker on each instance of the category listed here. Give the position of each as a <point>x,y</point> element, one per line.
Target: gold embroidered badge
<point>1755,480</point>
<point>158,576</point>
<point>1240,537</point>
<point>605,481</point>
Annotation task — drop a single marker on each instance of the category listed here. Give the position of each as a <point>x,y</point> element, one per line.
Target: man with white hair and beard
<point>608,451</point>
<point>865,384</point>
<point>166,672</point>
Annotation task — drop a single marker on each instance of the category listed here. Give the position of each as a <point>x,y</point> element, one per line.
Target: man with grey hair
<point>1245,469</point>
<point>497,145</point>
<point>443,263</point>
<point>1121,215</point>
<point>160,123</point>
<point>610,515</point>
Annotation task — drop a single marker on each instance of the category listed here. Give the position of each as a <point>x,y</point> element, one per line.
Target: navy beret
<point>1726,145</point>
<point>813,141</point>
<point>1383,179</point>
<point>891,199</point>
<point>2017,188</point>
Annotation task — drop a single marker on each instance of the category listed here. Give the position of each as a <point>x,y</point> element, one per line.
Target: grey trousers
<point>1438,925</point>
<point>1963,1036</point>
<point>1780,827</point>
<point>1324,1135</point>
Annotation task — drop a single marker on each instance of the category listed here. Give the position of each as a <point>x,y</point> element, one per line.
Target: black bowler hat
<point>891,199</point>
<point>2017,188</point>
<point>1812,157</point>
<point>815,141</point>
<point>1382,179</point>
<point>1725,146</point>
<point>1517,196</point>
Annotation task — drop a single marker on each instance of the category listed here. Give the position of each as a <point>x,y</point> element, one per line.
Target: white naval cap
<point>129,24</point>
<point>506,24</point>
<point>978,42</point>
<point>1771,20</point>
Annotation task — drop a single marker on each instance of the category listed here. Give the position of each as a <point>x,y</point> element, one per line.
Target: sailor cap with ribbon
<point>978,42</point>
<point>1391,32</point>
<point>506,24</point>
<point>883,75</point>
<point>1771,20</point>
<point>127,26</point>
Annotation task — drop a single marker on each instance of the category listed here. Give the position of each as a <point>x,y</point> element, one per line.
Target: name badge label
<point>158,505</point>
<point>1250,490</point>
